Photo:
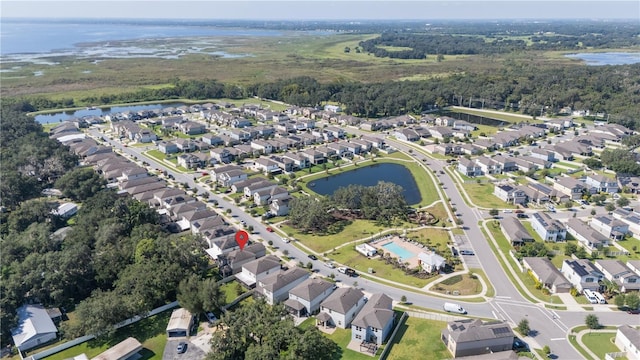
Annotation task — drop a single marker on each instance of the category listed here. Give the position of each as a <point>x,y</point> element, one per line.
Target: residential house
<point>587,237</point>
<point>630,218</point>
<point>634,265</point>
<point>628,182</point>
<point>610,226</point>
<point>266,166</point>
<point>258,269</point>
<point>617,272</point>
<point>488,166</point>
<point>275,287</point>
<point>628,340</point>
<point>515,232</point>
<point>543,154</point>
<point>314,157</point>
<point>231,263</point>
<point>602,183</point>
<point>305,298</point>
<point>533,195</point>
<point>221,240</point>
<point>251,189</point>
<point>469,167</point>
<point>444,121</point>
<point>464,125</point>
<point>547,228</point>
<point>340,308</point>
<point>280,206</point>
<point>185,145</point>
<point>582,274</point>
<point>265,196</point>
<point>374,322</point>
<point>406,134</point>
<point>441,132</point>
<point>192,128</point>
<point>265,147</point>
<point>546,273</point>
<point>35,327</point>
<point>570,187</point>
<point>230,177</point>
<point>509,194</point>
<point>474,337</point>
<point>431,262</point>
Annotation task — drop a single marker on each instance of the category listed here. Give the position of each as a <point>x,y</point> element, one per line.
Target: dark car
<point>633,311</point>
<point>454,251</point>
<point>313,257</point>
<point>182,347</point>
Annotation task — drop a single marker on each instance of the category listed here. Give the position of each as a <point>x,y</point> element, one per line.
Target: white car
<point>286,240</point>
<point>330,265</point>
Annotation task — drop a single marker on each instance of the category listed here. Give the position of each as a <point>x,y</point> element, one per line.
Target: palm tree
<point>611,288</point>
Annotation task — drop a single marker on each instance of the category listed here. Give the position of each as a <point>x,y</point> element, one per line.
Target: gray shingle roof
<point>376,313</point>
<point>311,288</point>
<point>343,299</point>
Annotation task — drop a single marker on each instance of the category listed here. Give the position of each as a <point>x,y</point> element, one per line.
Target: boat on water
<point>92,108</point>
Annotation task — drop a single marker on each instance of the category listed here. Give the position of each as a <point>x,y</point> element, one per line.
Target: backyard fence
<point>385,351</point>
<point>80,340</point>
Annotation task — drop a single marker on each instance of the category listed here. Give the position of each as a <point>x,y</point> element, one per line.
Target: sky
<point>323,10</point>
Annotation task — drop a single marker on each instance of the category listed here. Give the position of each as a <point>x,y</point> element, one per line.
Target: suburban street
<point>549,327</point>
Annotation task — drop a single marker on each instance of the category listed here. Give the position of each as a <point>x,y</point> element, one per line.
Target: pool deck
<point>409,245</point>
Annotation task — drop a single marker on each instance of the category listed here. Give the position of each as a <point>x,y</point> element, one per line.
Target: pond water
<point>66,115</point>
<point>607,58</point>
<point>370,176</point>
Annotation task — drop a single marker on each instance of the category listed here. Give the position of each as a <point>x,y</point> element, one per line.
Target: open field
<point>418,336</point>
<point>291,55</point>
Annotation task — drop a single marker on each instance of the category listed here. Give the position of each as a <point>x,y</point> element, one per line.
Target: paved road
<point>550,327</point>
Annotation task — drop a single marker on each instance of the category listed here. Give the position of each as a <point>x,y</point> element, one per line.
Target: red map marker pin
<point>242,238</point>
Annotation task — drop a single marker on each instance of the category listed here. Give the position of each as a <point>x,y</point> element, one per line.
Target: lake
<point>370,176</point>
<point>63,116</point>
<point>607,58</point>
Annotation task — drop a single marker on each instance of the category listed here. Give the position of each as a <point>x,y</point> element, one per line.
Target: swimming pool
<point>403,253</point>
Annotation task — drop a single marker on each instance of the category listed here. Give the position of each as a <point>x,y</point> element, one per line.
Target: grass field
<point>482,195</point>
<point>418,338</point>
<point>600,343</point>
<point>151,332</point>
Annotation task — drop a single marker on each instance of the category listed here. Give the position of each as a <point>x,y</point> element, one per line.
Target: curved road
<point>549,327</point>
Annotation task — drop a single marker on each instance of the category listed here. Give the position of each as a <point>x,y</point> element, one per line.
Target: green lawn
<point>432,237</point>
<point>350,257</point>
<point>505,247</point>
<point>357,229</point>
<point>342,337</point>
<point>151,332</point>
<point>482,195</point>
<point>418,339</point>
<point>600,343</point>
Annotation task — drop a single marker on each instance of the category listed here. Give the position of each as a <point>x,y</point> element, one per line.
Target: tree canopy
<point>259,331</point>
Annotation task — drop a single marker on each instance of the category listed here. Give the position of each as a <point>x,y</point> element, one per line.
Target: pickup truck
<point>347,271</point>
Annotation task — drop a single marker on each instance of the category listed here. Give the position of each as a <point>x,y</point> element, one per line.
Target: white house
<point>602,183</point>
<point>305,298</point>
<point>582,274</point>
<point>258,269</point>
<point>431,262</point>
<point>628,340</point>
<point>341,307</point>
<point>616,271</point>
<point>275,287</point>
<point>35,327</point>
<point>549,229</point>
<point>66,210</point>
<point>610,227</point>
<point>374,322</point>
<point>366,250</point>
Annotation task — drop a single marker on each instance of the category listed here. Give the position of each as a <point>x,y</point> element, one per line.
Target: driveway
<point>193,352</point>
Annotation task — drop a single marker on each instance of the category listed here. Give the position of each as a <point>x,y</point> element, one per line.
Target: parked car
<point>269,229</point>
<point>330,265</point>
<point>286,240</point>
<point>313,257</point>
<point>211,317</point>
<point>182,347</point>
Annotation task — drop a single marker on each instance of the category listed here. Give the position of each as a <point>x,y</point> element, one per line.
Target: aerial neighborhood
<point>225,147</point>
<point>320,190</point>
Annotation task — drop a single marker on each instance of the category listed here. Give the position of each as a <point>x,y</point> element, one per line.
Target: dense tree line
<point>30,160</point>
<point>114,263</point>
<point>258,331</point>
<point>620,161</point>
